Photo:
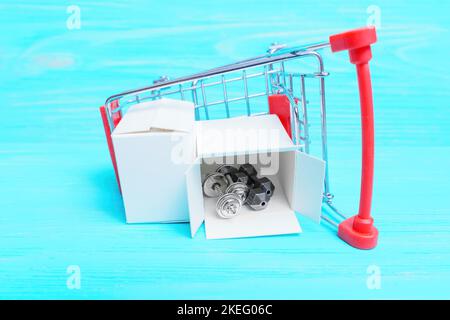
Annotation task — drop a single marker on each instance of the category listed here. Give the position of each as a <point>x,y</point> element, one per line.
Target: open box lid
<point>305,173</point>
<point>241,135</point>
<point>163,115</point>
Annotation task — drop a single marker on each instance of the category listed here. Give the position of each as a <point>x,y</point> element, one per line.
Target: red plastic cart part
<point>107,128</point>
<point>359,231</point>
<point>279,104</point>
<point>117,116</point>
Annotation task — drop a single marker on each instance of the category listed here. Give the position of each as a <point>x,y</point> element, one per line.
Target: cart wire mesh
<point>243,88</point>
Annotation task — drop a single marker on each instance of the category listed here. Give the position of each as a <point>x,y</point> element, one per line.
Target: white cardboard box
<point>262,141</point>
<point>154,146</point>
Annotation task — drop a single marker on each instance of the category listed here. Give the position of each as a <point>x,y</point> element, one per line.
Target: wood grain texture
<point>59,202</point>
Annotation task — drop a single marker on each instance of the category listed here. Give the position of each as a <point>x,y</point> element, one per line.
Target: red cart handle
<point>359,230</point>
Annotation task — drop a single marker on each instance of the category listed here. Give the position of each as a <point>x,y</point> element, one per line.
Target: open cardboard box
<point>154,146</point>
<point>262,141</point>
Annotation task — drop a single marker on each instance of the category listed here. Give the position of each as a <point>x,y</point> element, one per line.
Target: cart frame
<point>287,97</point>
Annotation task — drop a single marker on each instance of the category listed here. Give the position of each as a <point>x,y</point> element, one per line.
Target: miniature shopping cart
<point>228,91</point>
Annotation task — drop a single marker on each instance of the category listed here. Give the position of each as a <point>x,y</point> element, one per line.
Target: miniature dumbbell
<point>264,183</point>
<point>239,176</point>
<point>260,194</point>
<point>228,204</point>
<point>255,182</point>
<point>237,182</point>
<point>248,170</point>
<point>257,199</point>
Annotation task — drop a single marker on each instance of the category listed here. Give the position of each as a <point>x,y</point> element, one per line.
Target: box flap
<point>195,197</point>
<point>241,135</point>
<point>164,115</point>
<point>308,185</point>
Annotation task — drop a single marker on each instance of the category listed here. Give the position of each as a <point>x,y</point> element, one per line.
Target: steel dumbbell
<point>248,170</point>
<point>237,182</point>
<point>261,189</point>
<point>264,183</point>
<point>255,182</point>
<point>228,204</point>
<point>257,199</point>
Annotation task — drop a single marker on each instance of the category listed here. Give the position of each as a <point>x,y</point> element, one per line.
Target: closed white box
<point>154,146</point>
<point>263,142</point>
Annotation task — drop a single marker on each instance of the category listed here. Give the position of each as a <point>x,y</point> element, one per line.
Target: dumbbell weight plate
<point>257,199</point>
<point>228,206</point>
<point>226,169</point>
<point>239,188</point>
<point>248,169</point>
<point>265,184</point>
<point>240,177</point>
<point>214,185</point>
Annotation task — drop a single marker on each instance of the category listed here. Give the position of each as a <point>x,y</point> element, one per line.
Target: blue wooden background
<point>59,204</point>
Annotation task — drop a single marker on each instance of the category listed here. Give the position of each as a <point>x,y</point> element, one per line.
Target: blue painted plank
<point>59,202</point>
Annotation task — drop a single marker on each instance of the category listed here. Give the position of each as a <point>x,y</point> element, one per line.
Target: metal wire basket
<point>249,87</point>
